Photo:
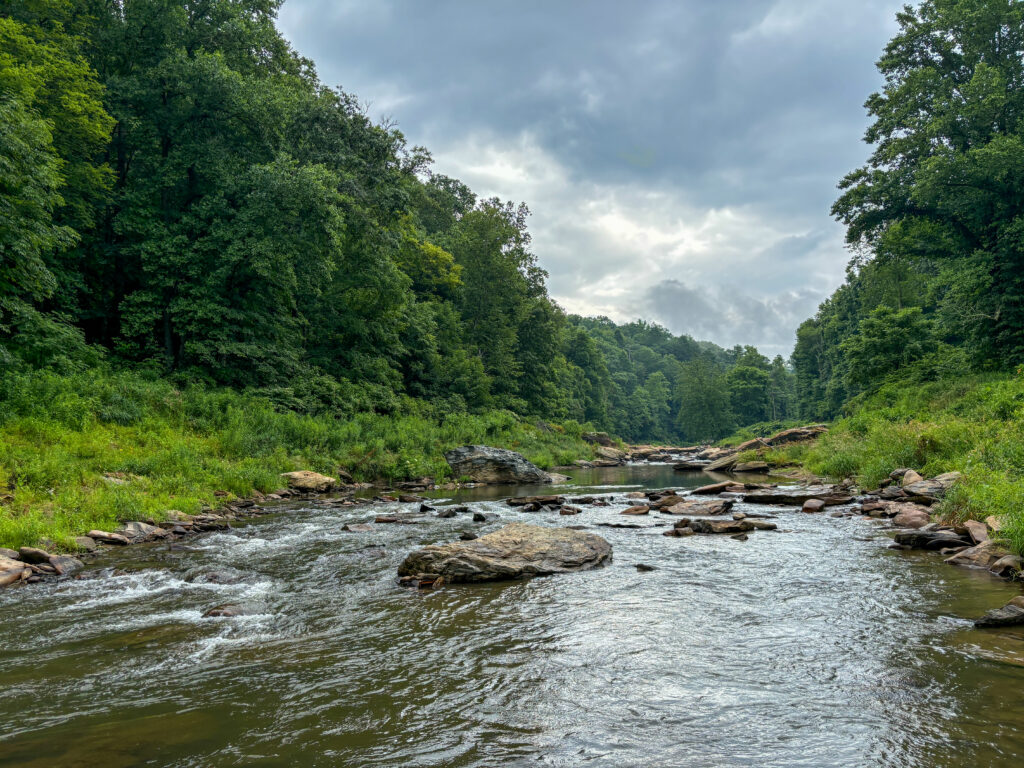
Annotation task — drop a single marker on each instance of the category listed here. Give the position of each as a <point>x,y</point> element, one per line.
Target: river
<point>813,646</point>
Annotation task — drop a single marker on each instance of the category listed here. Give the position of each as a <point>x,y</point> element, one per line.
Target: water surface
<point>814,646</point>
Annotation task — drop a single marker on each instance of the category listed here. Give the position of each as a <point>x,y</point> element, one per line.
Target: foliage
<point>68,443</point>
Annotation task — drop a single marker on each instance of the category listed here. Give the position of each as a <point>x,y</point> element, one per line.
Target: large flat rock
<point>831,495</point>
<point>513,552</point>
<point>483,464</point>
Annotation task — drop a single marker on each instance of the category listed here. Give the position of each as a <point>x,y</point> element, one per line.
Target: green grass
<point>974,425</point>
<point>59,436</point>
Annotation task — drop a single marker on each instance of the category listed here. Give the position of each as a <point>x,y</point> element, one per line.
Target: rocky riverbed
<point>286,638</point>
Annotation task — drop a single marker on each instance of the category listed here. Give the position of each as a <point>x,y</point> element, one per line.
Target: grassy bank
<point>974,425</point>
<point>89,450</point>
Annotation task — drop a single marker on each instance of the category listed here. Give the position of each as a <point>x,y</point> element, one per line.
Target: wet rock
<point>539,501</point>
<point>479,517</point>
<point>558,479</point>
<point>515,551</point>
<point>12,571</point>
<point>813,505</point>
<point>33,556</point>
<point>983,555</point>
<point>467,536</point>
<point>689,466</point>
<point>583,500</point>
<point>978,531</point>
<point>636,495</point>
<point>1008,566</point>
<point>1010,615</point>
<point>925,539</point>
<point>709,490</point>
<point>108,538</point>
<point>483,464</point>
<point>568,510</point>
<point>711,507</point>
<point>227,611</point>
<point>762,525</point>
<point>406,499</point>
<point>720,526</point>
<point>357,527</point>
<point>447,513</point>
<point>305,481</point>
<point>383,519</point>
<point>830,495</point>
<point>680,532</point>
<point>740,537</point>
<point>65,565</point>
<point>751,466</point>
<point>640,509</point>
<point>424,508</point>
<point>911,516</point>
<point>644,568</point>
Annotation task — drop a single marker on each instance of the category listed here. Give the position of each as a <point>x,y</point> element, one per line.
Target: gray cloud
<point>696,141</point>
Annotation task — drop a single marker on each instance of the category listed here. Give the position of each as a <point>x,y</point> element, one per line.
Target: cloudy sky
<point>679,156</point>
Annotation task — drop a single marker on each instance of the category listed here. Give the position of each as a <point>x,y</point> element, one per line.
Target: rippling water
<point>813,646</point>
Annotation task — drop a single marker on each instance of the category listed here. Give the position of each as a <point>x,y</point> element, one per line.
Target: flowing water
<point>812,646</point>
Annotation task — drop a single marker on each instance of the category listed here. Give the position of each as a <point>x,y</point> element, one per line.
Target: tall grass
<point>974,425</point>
<point>91,449</point>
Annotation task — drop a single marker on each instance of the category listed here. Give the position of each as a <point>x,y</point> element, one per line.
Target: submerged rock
<point>1010,615</point>
<point>513,552</point>
<point>483,464</point>
<point>983,555</point>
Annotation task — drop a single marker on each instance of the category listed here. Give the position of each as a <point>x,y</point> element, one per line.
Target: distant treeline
<point>180,194</point>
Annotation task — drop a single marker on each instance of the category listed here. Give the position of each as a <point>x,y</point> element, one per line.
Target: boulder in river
<point>830,495</point>
<point>483,464</point>
<point>513,552</point>
<point>639,509</point>
<point>305,481</point>
<point>709,507</point>
<point>925,539</point>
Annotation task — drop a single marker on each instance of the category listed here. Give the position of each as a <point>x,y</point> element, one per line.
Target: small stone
<point>1010,615</point>
<point>467,536</point>
<point>227,612</point>
<point>447,514</point>
<point>426,508</point>
<point>357,527</point>
<point>1008,566</point>
<point>10,554</point>
<point>479,517</point>
<point>813,505</point>
<point>386,519</point>
<point>910,476</point>
<point>680,532</point>
<point>567,510</point>
<point>740,537</point>
<point>643,568</point>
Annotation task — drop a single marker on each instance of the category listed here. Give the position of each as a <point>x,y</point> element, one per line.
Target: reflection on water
<point>813,646</point>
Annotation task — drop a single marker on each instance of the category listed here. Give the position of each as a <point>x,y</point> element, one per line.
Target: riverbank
<point>90,450</point>
<point>972,425</point>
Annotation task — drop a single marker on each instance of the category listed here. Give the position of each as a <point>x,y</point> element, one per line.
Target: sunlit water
<point>813,646</point>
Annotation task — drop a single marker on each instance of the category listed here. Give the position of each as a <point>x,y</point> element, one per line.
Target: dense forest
<point>182,195</point>
<point>935,219</point>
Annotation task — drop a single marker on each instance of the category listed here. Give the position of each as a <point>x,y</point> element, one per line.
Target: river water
<point>812,646</point>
